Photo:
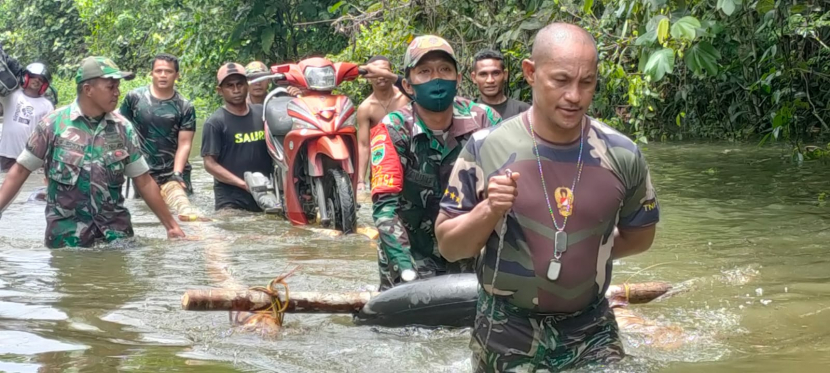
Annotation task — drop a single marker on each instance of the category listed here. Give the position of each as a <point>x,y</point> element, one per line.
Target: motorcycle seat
<point>276,115</point>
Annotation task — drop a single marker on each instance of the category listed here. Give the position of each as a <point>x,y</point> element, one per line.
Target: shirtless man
<point>385,98</point>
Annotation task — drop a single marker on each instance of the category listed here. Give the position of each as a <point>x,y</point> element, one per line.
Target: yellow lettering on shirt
<point>249,137</point>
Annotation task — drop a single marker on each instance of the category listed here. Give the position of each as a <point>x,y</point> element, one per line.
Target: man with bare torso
<point>385,98</point>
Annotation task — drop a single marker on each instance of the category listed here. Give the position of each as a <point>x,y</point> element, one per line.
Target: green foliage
<point>670,69</point>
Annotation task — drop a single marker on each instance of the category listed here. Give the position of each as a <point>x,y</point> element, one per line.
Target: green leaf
<point>654,22</point>
<point>685,28</point>
<point>764,6</point>
<point>647,38</point>
<point>587,6</point>
<point>703,57</point>
<point>660,63</point>
<point>532,24</point>
<point>267,39</point>
<point>729,6</point>
<point>336,6</point>
<point>663,30</point>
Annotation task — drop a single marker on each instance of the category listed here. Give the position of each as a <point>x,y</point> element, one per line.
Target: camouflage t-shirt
<point>410,169</point>
<point>158,123</point>
<point>86,162</point>
<point>614,190</point>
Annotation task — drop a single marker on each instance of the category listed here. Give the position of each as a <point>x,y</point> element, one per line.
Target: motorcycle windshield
<point>320,78</point>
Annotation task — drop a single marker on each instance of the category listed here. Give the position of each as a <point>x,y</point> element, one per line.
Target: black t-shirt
<point>508,108</point>
<point>238,143</point>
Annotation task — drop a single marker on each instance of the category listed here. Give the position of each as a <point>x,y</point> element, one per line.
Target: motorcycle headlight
<point>320,78</point>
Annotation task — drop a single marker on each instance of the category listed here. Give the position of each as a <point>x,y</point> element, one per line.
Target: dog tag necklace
<point>560,238</point>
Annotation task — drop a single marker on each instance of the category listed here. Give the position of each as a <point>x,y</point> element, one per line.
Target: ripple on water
<point>22,343</point>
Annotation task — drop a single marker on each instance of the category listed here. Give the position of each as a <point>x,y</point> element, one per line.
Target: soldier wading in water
<point>88,151</point>
<point>544,271</point>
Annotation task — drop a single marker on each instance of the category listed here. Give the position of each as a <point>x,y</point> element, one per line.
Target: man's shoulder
<point>519,104</point>
<point>615,140</point>
<point>506,131</point>
<point>483,115</point>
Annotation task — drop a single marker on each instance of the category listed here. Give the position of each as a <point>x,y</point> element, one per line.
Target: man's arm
<point>183,152</point>
<point>464,224</point>
<point>363,127</point>
<point>151,194</point>
<point>387,187</point>
<point>15,178</point>
<point>211,150</point>
<point>186,133</point>
<point>633,241</point>
<point>126,108</point>
<point>639,213</point>
<point>37,148</point>
<point>11,62</point>
<point>222,174</point>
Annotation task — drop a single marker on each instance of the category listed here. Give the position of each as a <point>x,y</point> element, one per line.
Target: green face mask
<point>435,95</point>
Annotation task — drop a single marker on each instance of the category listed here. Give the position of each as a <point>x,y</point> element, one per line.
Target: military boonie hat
<point>228,69</point>
<point>100,67</point>
<point>422,45</point>
<point>255,67</point>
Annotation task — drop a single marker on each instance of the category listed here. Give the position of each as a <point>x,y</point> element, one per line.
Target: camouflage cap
<point>228,69</point>
<point>255,67</point>
<point>100,67</point>
<point>422,45</point>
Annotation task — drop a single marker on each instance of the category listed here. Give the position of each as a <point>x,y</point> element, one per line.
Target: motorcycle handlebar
<point>361,71</point>
<point>259,77</point>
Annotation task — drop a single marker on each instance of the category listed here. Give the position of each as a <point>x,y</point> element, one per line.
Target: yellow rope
<point>278,306</point>
<point>627,293</point>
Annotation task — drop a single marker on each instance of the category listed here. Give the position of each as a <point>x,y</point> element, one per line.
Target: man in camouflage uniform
<point>544,271</point>
<point>87,150</point>
<point>165,122</point>
<point>412,152</point>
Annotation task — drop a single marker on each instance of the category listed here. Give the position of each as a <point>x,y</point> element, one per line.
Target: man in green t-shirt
<point>553,196</point>
<point>165,122</point>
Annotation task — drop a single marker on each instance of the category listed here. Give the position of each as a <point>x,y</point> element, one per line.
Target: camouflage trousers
<point>522,341</point>
<point>390,275</point>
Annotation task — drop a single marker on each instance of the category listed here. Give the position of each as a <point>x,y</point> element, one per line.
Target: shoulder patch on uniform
<point>387,172</point>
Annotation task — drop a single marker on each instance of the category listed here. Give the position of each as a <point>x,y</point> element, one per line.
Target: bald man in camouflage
<point>544,269</point>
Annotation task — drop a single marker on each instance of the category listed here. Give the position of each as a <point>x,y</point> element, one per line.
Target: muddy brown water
<point>742,231</point>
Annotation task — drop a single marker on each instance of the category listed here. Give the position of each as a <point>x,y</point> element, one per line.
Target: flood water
<point>742,233</point>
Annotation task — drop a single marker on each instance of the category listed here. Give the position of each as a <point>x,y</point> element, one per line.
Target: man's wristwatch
<point>177,176</point>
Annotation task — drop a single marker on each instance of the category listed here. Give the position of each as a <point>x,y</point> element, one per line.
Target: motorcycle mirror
<point>281,69</point>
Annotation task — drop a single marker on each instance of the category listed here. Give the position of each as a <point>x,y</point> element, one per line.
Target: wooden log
<point>317,302</point>
<point>252,300</point>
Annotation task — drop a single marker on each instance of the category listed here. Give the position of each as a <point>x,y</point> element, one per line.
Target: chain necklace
<point>560,241</point>
<point>560,238</point>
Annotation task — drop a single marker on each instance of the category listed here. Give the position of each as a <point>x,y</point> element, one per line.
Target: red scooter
<point>312,141</point>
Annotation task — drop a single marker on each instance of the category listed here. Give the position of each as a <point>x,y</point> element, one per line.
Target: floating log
<point>176,199</point>
<point>318,302</point>
<point>252,300</point>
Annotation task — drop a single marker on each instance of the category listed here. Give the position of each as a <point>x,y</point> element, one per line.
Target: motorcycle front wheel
<point>340,200</point>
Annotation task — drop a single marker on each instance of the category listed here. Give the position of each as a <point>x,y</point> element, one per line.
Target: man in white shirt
<point>22,110</point>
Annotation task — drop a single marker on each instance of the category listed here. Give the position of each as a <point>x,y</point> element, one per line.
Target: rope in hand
<point>503,231</point>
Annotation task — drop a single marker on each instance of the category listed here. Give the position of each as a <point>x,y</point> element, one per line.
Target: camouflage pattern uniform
<point>536,322</point>
<point>406,219</point>
<point>86,161</point>
<point>158,123</point>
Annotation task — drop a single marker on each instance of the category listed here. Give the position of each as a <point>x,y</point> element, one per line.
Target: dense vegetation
<point>671,69</point>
